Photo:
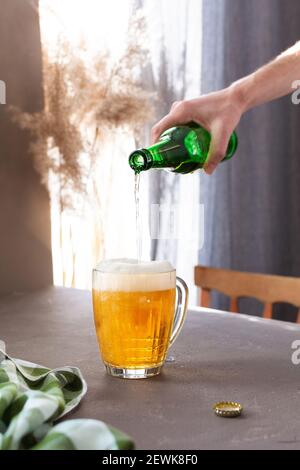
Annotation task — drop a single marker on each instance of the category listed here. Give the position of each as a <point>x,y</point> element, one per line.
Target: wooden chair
<point>266,288</point>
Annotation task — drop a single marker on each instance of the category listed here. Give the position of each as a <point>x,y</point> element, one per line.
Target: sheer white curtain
<point>174,40</point>
<point>104,225</point>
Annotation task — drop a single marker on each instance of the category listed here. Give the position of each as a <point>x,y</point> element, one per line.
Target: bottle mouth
<point>140,160</point>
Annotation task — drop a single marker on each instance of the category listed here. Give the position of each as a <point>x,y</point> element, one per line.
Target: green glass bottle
<point>182,149</point>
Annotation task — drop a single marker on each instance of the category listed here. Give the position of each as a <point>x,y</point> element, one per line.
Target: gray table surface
<point>218,356</point>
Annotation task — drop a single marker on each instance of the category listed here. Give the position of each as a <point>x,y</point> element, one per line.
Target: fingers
<point>218,148</point>
<point>174,105</point>
<point>164,124</point>
<point>179,114</point>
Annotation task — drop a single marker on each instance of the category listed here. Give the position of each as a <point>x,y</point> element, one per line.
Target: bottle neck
<point>159,155</point>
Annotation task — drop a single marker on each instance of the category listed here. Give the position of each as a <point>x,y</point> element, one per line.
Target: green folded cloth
<point>33,397</point>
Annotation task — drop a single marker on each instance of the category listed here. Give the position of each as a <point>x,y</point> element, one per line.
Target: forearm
<point>270,82</point>
<point>221,111</point>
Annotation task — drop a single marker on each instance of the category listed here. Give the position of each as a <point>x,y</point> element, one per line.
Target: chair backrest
<point>235,284</point>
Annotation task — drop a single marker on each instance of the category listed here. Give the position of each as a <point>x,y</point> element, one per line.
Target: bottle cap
<point>228,409</point>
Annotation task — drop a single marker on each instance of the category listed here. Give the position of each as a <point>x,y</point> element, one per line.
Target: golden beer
<point>134,328</point>
<point>134,309</point>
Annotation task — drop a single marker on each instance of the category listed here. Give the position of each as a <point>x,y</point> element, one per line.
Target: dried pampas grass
<point>83,100</point>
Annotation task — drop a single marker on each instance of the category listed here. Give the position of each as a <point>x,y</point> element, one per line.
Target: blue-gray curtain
<point>253,203</point>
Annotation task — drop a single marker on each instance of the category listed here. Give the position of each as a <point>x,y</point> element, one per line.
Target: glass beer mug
<point>139,310</point>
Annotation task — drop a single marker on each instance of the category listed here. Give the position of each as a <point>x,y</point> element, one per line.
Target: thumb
<point>218,147</point>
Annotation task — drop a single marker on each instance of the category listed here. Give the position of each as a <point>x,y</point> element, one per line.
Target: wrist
<point>240,95</point>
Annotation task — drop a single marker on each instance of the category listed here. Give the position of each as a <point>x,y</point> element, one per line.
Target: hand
<point>219,113</point>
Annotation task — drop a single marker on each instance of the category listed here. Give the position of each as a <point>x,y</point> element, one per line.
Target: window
<point>105,226</point>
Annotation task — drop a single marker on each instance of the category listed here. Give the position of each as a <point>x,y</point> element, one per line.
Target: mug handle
<point>181,308</point>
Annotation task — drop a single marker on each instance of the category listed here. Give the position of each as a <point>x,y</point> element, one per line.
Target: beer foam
<point>133,266</point>
<point>132,275</point>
